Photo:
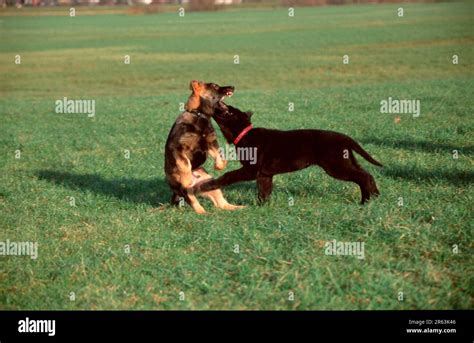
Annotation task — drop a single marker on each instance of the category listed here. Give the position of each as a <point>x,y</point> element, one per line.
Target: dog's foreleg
<point>193,201</point>
<point>234,176</point>
<point>219,162</point>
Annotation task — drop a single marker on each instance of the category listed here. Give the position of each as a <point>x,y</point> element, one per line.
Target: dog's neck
<point>231,134</point>
<point>237,137</point>
<point>205,107</point>
<point>198,113</point>
<point>242,134</point>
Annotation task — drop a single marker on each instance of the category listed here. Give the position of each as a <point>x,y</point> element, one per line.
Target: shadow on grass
<point>402,173</point>
<point>415,145</point>
<point>152,192</point>
<point>155,192</point>
<point>453,177</point>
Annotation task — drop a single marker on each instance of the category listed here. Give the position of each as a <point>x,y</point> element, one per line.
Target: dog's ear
<point>194,100</point>
<point>195,86</point>
<point>249,114</point>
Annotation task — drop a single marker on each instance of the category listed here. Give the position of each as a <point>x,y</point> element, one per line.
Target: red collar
<point>242,134</point>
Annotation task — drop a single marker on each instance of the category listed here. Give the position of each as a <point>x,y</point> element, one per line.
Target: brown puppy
<point>286,151</point>
<point>191,139</point>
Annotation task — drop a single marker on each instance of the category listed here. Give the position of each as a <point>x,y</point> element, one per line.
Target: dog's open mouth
<point>227,93</point>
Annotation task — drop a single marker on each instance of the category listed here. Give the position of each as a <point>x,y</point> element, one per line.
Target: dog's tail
<point>358,149</point>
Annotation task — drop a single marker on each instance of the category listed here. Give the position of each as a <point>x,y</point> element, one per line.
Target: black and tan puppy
<point>286,151</point>
<point>191,139</point>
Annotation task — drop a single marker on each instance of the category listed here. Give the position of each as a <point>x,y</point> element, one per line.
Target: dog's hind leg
<point>364,179</point>
<point>216,195</point>
<point>373,186</point>
<point>349,170</point>
<point>184,173</point>
<point>219,201</point>
<point>367,185</point>
<point>193,201</point>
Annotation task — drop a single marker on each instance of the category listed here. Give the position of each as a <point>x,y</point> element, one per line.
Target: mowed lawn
<point>258,257</point>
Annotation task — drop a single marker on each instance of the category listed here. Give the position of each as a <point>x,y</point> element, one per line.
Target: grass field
<point>122,201</point>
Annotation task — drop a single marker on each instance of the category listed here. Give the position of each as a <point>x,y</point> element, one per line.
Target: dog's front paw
<point>220,164</point>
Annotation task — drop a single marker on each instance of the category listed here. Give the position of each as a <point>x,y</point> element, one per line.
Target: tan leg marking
<point>216,195</point>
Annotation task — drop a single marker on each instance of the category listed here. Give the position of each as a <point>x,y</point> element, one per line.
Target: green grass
<point>118,201</point>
